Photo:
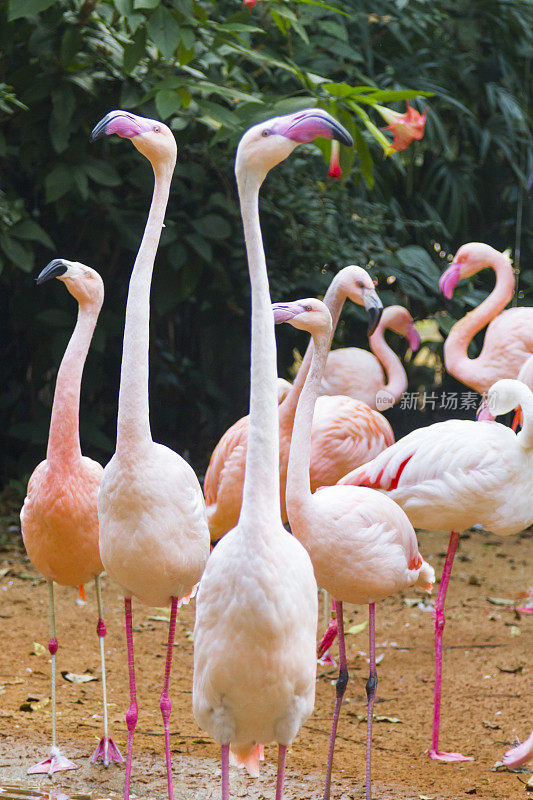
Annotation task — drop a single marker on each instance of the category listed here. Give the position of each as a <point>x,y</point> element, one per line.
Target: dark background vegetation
<point>211,69</point>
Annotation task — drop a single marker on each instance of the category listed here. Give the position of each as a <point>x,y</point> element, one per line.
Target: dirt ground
<point>487,691</point>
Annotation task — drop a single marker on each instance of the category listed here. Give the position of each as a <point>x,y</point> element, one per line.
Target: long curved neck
<point>334,299</point>
<point>462,333</point>
<point>525,437</point>
<point>63,449</point>
<point>261,493</point>
<point>394,371</point>
<point>133,424</point>
<point>298,481</point>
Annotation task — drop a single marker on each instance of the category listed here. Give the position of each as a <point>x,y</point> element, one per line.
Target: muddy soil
<point>487,691</point>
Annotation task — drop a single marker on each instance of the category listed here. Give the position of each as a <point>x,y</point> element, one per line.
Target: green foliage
<point>209,70</point>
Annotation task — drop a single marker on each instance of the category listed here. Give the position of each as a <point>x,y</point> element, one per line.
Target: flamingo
<point>361,543</point>
<point>452,475</point>
<point>520,754</point>
<point>256,611</point>
<point>509,336</point>
<point>354,372</point>
<point>59,519</point>
<point>154,539</point>
<point>345,428</point>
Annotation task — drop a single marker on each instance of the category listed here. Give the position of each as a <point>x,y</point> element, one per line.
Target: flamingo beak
<point>123,123</point>
<point>374,308</point>
<point>413,337</point>
<point>483,413</point>
<point>304,126</point>
<point>54,269</point>
<point>283,312</point>
<point>449,280</point>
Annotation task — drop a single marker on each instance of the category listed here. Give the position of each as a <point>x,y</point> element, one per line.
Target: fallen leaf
<point>160,619</point>
<point>529,783</point>
<point>355,629</point>
<point>393,720</point>
<point>427,796</point>
<point>493,726</point>
<point>515,631</point>
<point>71,677</point>
<point>500,601</point>
<point>39,650</point>
<point>514,670</point>
<point>33,704</point>
<point>474,581</point>
<point>5,571</point>
<point>411,601</point>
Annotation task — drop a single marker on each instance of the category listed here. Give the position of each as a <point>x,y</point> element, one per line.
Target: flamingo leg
<point>165,702</point>
<point>57,762</point>
<point>225,772</point>
<point>282,754</point>
<point>106,749</point>
<point>371,686</point>
<point>342,681</point>
<point>133,710</point>
<point>439,622</point>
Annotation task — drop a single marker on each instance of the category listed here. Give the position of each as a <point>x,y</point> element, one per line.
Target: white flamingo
<point>361,543</point>
<point>455,474</point>
<point>256,611</point>
<point>154,539</point>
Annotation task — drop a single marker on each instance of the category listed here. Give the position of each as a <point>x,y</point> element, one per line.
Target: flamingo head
<point>307,315</point>
<point>505,395</point>
<point>356,284</point>
<point>152,138</point>
<point>399,320</point>
<point>469,259</point>
<point>83,283</point>
<point>265,145</point>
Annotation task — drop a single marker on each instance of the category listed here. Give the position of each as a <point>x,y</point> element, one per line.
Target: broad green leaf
<point>146,3</point>
<point>135,51</point>
<point>24,8</point>
<point>164,30</point>
<point>168,102</point>
<point>30,230</point>
<point>213,226</point>
<point>102,172</point>
<point>18,253</point>
<point>58,182</point>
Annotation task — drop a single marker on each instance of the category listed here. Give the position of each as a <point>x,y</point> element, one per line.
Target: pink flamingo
<point>455,474</point>
<point>519,755</point>
<point>356,373</point>
<point>154,539</point>
<point>256,611</point>
<point>59,519</point>
<point>509,336</point>
<point>347,430</point>
<point>361,543</point>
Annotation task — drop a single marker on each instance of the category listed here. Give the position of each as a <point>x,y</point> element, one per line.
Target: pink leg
<point>282,754</point>
<point>106,749</point>
<point>439,622</point>
<point>225,772</point>
<point>342,681</point>
<point>133,711</point>
<point>371,686</point>
<point>56,762</point>
<point>165,703</point>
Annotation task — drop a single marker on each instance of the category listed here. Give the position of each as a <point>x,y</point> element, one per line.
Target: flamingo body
<point>345,431</point>
<point>454,474</point>
<point>59,522</point>
<point>270,701</point>
<point>153,538</point>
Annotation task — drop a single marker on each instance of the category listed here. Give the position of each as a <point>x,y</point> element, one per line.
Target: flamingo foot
<point>107,751</point>
<point>328,638</point>
<point>438,755</point>
<point>327,659</point>
<point>519,755</point>
<point>57,762</point>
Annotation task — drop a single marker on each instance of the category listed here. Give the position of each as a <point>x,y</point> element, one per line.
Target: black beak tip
<point>54,269</point>
<point>374,316</point>
<point>344,138</point>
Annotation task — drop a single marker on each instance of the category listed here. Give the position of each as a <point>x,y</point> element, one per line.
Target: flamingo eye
<point>157,128</point>
<point>266,132</point>
<point>307,308</point>
<point>360,284</point>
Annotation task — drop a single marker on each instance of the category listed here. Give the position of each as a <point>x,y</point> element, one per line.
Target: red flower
<point>334,170</point>
<point>405,127</point>
<point>249,3</point>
